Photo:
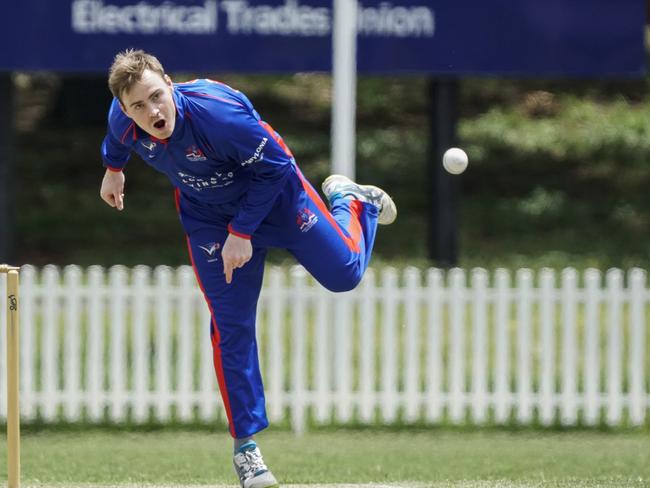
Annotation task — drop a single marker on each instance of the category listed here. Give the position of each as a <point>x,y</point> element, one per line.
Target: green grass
<point>433,457</point>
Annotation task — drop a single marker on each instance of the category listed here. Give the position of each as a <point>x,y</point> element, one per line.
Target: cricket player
<point>238,191</point>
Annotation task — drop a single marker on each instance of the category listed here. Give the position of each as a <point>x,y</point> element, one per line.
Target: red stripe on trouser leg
<point>354,229</point>
<point>218,368</point>
<point>353,244</point>
<point>216,349</point>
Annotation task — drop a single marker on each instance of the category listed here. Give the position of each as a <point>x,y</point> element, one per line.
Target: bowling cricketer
<point>238,192</point>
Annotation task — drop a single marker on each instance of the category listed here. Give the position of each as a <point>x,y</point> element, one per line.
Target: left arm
<point>254,143</point>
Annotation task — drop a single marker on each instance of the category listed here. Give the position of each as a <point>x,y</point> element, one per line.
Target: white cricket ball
<point>455,160</point>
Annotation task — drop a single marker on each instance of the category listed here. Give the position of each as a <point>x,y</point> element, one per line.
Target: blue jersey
<point>220,151</point>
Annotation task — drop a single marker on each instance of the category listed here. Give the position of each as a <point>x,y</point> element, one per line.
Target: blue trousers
<point>335,247</point>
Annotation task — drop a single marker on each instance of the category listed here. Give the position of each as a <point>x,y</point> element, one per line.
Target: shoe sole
<point>276,485</point>
<point>265,480</point>
<point>333,177</point>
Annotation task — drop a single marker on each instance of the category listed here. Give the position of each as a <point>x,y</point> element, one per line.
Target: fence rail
<point>413,346</point>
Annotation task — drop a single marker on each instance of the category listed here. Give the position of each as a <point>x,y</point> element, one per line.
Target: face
<point>151,105</point>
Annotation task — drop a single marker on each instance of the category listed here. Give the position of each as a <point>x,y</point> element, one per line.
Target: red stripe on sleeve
<point>238,234</point>
<point>130,127</point>
<point>276,137</point>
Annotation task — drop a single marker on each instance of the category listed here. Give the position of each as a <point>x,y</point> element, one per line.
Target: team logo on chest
<point>148,145</point>
<point>194,154</point>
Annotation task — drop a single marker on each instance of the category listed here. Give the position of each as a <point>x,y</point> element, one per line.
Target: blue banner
<point>464,37</point>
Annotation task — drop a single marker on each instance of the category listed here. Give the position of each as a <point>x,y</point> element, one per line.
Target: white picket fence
<point>132,345</point>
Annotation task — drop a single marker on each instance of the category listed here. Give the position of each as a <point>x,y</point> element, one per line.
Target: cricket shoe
<point>251,469</point>
<point>338,186</point>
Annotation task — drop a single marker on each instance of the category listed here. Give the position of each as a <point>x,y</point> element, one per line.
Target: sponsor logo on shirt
<point>210,250</point>
<point>258,155</point>
<point>306,219</point>
<point>194,154</point>
<point>197,183</point>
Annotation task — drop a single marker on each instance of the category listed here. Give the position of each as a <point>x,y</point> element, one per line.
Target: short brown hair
<point>127,69</point>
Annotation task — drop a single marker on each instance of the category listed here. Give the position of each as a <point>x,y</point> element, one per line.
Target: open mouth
<point>160,124</point>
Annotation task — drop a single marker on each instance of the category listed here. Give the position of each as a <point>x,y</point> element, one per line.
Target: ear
<point>168,81</point>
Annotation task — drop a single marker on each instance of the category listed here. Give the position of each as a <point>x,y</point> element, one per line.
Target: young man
<point>238,192</point>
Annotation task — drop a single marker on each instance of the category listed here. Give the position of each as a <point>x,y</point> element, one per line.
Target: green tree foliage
<point>558,171</point>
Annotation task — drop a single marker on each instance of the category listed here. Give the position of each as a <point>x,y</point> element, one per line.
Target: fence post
<point>479,345</point>
<point>637,338</point>
<point>434,345</point>
<point>162,345</point>
<point>118,293</point>
<point>389,339</point>
<point>141,347</point>
<point>72,351</point>
<point>298,347</point>
<point>343,331</point>
<point>547,306</point>
<point>185,333</point>
<point>210,398</point>
<point>614,281</point>
<point>569,410</point>
<point>322,357</point>
<point>502,352</point>
<point>412,345</point>
<point>457,384</point>
<point>28,282</point>
<point>367,345</point>
<point>524,356</point>
<point>592,348</point>
<point>275,344</point>
<point>95,357</point>
<point>50,344</point>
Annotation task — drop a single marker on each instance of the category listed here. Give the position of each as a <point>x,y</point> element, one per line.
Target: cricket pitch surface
<point>365,485</point>
<point>436,484</point>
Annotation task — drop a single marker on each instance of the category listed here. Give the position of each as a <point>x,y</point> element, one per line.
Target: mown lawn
<point>435,457</point>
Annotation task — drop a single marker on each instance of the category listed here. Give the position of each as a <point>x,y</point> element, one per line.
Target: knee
<point>233,332</point>
<point>343,283</point>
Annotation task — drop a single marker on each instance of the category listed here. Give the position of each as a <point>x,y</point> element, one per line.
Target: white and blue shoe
<point>250,467</point>
<point>339,186</point>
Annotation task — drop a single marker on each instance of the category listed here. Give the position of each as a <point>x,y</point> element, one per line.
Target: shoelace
<point>249,463</point>
<point>369,196</point>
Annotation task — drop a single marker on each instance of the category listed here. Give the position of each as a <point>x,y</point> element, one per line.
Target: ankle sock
<point>244,444</point>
